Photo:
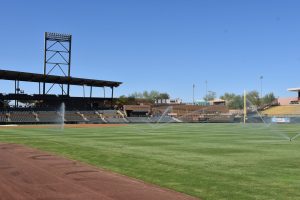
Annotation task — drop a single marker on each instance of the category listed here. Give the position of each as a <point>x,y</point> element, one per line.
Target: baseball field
<point>208,161</point>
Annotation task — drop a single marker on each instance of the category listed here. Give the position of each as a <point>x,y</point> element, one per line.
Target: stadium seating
<point>162,119</point>
<point>49,117</point>
<point>156,119</point>
<point>112,116</point>
<point>108,113</point>
<point>182,110</point>
<point>92,116</point>
<point>115,120</point>
<point>22,117</point>
<point>161,114</point>
<point>282,110</point>
<point>138,119</point>
<point>3,117</point>
<point>73,116</point>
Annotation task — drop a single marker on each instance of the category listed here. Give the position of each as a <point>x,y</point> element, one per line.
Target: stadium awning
<point>293,89</point>
<point>32,77</point>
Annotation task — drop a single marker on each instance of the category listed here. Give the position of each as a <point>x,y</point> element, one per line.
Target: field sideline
<point>209,161</point>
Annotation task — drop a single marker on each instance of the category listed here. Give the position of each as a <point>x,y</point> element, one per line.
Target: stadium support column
<point>112,96</point>
<point>69,64</point>
<point>45,64</point>
<point>91,91</point>
<point>15,92</point>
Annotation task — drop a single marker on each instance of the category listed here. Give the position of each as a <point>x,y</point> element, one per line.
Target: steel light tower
<point>57,54</point>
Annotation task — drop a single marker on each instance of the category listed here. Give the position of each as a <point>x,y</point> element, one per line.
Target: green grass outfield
<point>210,161</point>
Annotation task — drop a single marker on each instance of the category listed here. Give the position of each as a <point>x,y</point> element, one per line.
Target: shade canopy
<point>32,77</point>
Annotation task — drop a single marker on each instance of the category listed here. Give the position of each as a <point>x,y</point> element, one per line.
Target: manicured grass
<point>210,161</point>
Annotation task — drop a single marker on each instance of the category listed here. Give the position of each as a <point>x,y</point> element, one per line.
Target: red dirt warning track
<point>30,174</point>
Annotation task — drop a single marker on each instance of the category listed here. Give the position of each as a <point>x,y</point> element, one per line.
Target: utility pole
<point>205,88</point>
<point>261,79</point>
<point>193,94</point>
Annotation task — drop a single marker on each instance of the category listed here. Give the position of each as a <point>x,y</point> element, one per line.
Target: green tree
<point>151,96</point>
<point>233,101</point>
<point>136,95</point>
<point>228,96</point>
<point>122,100</point>
<point>253,98</point>
<point>164,96</point>
<point>237,102</point>
<point>268,98</point>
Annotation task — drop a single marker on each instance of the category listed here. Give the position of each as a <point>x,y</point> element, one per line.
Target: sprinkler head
<point>290,139</point>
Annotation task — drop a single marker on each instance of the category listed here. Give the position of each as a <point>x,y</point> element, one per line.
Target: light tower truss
<point>57,55</point>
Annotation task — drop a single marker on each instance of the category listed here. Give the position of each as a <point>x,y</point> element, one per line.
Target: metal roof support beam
<point>112,96</point>
<point>32,77</point>
<point>91,91</point>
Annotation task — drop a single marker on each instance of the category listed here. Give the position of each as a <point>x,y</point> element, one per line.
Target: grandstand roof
<point>294,89</point>
<point>32,77</point>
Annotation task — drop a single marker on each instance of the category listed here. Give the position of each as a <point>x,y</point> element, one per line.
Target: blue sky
<point>164,45</point>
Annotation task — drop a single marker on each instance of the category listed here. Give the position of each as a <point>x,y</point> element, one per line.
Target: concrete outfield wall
<point>268,120</point>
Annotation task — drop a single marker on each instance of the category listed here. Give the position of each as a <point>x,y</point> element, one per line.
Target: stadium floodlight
<point>58,37</point>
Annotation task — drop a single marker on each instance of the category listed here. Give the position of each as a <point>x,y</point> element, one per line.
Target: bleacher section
<point>48,117</point>
<point>108,113</point>
<point>22,117</point>
<point>157,119</point>
<point>119,120</point>
<point>181,110</point>
<point>138,119</point>
<point>158,114</point>
<point>92,117</point>
<point>163,119</point>
<point>288,110</point>
<point>3,117</point>
<point>73,117</point>
<point>112,116</point>
<point>195,113</point>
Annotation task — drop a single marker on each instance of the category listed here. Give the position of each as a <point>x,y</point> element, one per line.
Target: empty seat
<point>22,116</point>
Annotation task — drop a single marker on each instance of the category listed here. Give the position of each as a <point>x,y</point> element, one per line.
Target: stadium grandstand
<point>281,110</point>
<point>44,106</point>
<point>285,106</point>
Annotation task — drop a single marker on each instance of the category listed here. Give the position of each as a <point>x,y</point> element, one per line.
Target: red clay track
<point>29,174</point>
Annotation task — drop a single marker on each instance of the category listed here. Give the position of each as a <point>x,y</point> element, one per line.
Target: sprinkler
<point>290,139</point>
